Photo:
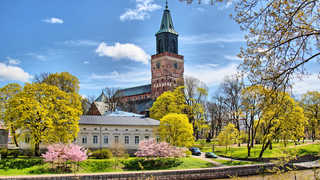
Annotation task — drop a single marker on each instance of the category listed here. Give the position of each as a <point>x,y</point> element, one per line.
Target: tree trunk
<point>37,149</point>
<point>270,146</point>
<point>264,147</point>
<point>14,137</point>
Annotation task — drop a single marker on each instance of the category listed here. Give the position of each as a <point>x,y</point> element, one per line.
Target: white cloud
<point>38,56</point>
<point>121,51</point>
<point>141,12</point>
<point>53,20</point>
<point>80,43</point>
<point>127,77</point>
<point>212,38</point>
<point>306,83</point>
<point>13,73</point>
<point>232,58</point>
<point>13,61</point>
<point>86,62</point>
<point>209,74</point>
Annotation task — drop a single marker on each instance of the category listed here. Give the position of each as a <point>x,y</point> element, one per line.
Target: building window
<point>116,129</point>
<point>116,139</point>
<point>137,129</point>
<point>147,130</point>
<point>105,140</point>
<point>176,65</point>
<point>95,139</point>
<point>158,139</point>
<point>84,140</point>
<point>158,65</point>
<point>27,139</point>
<point>106,129</point>
<point>126,129</point>
<point>146,137</point>
<point>126,139</point>
<point>136,139</point>
<point>95,129</point>
<point>84,128</point>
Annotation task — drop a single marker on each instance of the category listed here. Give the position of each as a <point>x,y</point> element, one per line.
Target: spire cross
<point>166,4</point>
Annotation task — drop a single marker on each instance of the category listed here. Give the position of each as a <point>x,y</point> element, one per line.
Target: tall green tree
<point>46,113</point>
<point>282,118</point>
<point>311,104</point>
<point>175,129</point>
<point>6,93</point>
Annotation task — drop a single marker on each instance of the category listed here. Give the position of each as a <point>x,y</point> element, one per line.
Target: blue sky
<point>108,43</point>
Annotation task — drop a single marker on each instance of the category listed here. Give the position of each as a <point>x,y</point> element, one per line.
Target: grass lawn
<point>241,152</point>
<point>234,163</point>
<point>95,165</point>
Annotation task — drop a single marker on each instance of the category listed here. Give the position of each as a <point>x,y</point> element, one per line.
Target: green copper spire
<point>166,22</point>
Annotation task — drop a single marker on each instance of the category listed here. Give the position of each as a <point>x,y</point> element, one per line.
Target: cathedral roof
<point>135,90</point>
<point>166,22</point>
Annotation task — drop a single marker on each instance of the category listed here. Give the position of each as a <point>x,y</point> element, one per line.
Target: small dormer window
<point>170,26</point>
<point>162,26</point>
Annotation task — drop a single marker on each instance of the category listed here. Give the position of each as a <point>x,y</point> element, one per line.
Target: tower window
<point>175,65</point>
<point>158,65</point>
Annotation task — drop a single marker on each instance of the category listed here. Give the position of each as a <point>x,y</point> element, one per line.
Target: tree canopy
<point>44,112</point>
<point>176,130</point>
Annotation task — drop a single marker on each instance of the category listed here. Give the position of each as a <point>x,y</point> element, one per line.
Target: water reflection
<point>293,175</point>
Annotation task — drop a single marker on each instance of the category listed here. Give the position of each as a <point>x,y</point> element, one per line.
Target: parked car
<point>210,155</point>
<point>195,151</point>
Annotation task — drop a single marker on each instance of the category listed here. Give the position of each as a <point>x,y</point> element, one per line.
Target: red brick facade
<point>167,72</point>
<point>94,110</point>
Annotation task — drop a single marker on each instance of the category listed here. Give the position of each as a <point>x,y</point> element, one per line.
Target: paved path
<point>208,160</point>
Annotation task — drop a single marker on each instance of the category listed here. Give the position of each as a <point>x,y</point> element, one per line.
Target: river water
<point>293,175</point>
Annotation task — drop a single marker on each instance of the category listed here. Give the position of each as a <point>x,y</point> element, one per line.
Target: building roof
<point>166,22</point>
<point>118,120</point>
<point>101,98</point>
<point>102,107</point>
<point>122,113</point>
<point>135,90</point>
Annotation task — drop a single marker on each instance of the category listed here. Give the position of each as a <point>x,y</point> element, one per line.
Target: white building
<point>118,127</point>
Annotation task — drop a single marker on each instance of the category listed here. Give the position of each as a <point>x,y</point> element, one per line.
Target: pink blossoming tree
<point>60,155</point>
<point>150,148</point>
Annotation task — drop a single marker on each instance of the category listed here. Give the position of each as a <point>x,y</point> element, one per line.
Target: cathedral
<point>167,68</point>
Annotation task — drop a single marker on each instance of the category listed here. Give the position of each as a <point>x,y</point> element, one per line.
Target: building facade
<point>98,132</point>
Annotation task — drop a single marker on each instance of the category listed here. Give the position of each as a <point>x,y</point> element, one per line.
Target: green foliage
<point>151,164</point>
<point>96,165</point>
<point>45,113</point>
<point>228,136</point>
<point>176,130</point>
<point>102,154</point>
<point>19,163</point>
<point>188,153</point>
<point>4,152</point>
<point>14,153</point>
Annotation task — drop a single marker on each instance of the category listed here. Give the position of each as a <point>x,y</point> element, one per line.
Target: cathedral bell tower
<point>167,66</point>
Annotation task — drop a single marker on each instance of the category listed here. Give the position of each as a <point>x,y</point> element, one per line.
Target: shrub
<point>150,148</point>
<point>4,152</point>
<point>28,152</point>
<point>19,163</point>
<point>96,165</point>
<point>151,164</point>
<point>118,150</point>
<point>14,153</point>
<point>102,154</point>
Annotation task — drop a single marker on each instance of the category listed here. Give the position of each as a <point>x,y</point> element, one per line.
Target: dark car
<point>195,151</point>
<point>210,155</point>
